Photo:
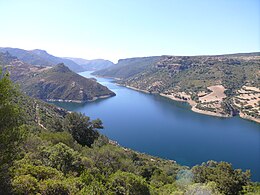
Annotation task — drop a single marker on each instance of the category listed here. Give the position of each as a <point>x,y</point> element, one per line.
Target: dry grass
<point>247,100</point>
<point>217,94</point>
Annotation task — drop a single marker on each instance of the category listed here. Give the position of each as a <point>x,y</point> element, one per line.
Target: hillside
<point>65,154</point>
<point>39,57</point>
<point>126,68</point>
<point>210,84</point>
<point>57,83</point>
<point>92,65</point>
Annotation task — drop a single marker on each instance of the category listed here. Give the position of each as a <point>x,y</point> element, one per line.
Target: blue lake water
<point>168,129</point>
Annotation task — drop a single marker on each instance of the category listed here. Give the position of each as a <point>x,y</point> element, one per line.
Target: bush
<point>54,187</point>
<point>25,184</point>
<point>128,183</point>
<point>228,180</point>
<point>63,158</point>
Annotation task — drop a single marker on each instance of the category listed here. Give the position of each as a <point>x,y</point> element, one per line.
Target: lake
<point>161,127</point>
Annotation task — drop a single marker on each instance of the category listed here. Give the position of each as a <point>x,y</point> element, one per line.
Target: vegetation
<point>39,157</point>
<point>192,75</point>
<point>128,67</point>
<point>56,83</point>
<point>39,57</point>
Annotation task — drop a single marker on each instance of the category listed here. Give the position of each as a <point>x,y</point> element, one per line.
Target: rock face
<point>211,83</point>
<point>56,83</point>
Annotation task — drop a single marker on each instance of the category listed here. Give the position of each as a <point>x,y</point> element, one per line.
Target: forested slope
<point>57,83</point>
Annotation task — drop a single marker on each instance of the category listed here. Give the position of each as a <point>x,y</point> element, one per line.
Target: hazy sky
<point>114,29</point>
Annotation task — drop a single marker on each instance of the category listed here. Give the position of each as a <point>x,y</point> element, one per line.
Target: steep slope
<point>56,83</point>
<point>210,84</point>
<point>126,68</point>
<point>91,65</point>
<point>39,57</point>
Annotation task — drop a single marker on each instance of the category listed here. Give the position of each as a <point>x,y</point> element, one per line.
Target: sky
<point>116,29</point>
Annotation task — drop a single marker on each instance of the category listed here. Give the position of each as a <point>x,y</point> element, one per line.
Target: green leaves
<point>228,180</point>
<point>10,127</point>
<point>25,184</point>
<point>127,183</point>
<point>82,129</point>
<point>9,111</point>
<point>62,158</point>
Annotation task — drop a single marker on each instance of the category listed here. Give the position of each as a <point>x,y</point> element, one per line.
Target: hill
<point>222,85</point>
<point>126,68</point>
<point>39,57</point>
<point>92,65</point>
<point>57,83</point>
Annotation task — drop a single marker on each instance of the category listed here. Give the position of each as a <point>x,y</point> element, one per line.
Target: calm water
<point>168,129</point>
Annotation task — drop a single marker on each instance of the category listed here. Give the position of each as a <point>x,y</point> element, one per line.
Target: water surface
<point>161,127</point>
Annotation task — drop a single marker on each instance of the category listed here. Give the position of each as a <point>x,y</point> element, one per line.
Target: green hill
<point>126,68</point>
<point>57,83</point>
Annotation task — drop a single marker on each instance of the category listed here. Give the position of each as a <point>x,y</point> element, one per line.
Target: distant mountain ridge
<point>57,83</point>
<point>92,65</point>
<point>126,68</point>
<point>39,57</point>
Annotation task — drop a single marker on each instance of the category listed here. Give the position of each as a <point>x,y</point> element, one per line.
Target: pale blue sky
<point>114,29</point>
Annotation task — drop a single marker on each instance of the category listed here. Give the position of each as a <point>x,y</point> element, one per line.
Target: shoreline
<point>193,106</point>
<point>135,88</point>
<point>106,77</point>
<point>206,112</point>
<point>190,102</point>
<point>244,116</point>
<point>79,101</point>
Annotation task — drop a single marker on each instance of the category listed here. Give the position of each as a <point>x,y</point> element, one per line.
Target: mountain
<point>126,68</point>
<point>39,57</point>
<point>91,65</point>
<point>221,85</point>
<point>57,83</point>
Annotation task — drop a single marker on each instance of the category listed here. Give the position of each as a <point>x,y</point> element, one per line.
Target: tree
<point>128,183</point>
<point>94,182</point>
<point>40,172</point>
<point>54,187</point>
<point>82,129</point>
<point>102,140</point>
<point>63,158</point>
<point>25,184</point>
<point>228,180</point>
<point>108,159</point>
<point>10,128</point>
<point>10,117</point>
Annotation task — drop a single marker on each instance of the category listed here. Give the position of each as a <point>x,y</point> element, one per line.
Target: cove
<point>161,127</point>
